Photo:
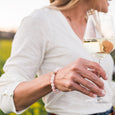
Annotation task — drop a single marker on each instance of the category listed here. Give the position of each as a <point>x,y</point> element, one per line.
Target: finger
<point>97,67</point>
<point>92,77</point>
<point>88,84</point>
<point>92,65</point>
<point>83,90</point>
<point>95,72</point>
<point>92,70</point>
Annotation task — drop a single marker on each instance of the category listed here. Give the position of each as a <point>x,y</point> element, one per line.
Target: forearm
<point>26,93</point>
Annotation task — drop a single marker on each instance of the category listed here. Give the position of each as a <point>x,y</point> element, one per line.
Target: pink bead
<point>52,83</point>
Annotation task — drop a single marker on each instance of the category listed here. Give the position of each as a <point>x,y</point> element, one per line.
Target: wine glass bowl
<point>99,37</point>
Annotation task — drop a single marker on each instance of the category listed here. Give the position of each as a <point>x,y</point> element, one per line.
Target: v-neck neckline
<point>69,26</point>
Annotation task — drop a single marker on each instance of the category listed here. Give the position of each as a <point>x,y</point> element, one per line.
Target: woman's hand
<point>76,76</point>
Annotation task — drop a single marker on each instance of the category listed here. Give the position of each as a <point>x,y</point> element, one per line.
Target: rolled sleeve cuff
<point>6,98</point>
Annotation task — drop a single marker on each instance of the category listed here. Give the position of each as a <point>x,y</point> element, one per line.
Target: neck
<point>77,14</point>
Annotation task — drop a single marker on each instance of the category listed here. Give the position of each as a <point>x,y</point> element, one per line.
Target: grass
<point>35,109</point>
<point>5,48</point>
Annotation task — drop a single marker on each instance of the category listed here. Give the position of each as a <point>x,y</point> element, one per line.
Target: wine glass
<point>99,40</point>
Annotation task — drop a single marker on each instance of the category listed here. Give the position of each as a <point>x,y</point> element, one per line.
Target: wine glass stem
<point>99,61</point>
<point>98,97</point>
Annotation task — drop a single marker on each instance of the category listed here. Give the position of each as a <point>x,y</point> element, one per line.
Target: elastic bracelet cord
<point>53,84</point>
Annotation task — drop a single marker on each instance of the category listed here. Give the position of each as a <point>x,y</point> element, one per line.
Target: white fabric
<point>44,42</point>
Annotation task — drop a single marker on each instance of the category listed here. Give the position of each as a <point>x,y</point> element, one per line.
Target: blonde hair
<point>63,4</point>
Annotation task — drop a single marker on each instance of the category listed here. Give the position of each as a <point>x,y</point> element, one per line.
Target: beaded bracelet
<point>52,83</point>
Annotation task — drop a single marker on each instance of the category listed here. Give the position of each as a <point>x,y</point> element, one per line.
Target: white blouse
<point>45,41</point>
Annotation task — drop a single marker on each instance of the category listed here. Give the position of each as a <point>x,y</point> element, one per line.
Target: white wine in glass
<point>99,48</point>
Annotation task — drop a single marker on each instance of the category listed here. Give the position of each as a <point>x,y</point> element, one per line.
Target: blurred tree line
<point>7,35</point>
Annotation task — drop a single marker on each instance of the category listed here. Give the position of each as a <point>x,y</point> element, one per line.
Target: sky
<point>13,11</point>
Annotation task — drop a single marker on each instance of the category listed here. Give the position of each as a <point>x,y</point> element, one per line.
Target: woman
<point>48,39</point>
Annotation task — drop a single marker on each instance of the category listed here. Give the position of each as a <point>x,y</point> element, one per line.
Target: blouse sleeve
<point>26,57</point>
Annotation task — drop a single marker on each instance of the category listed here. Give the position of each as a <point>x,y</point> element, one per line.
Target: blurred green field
<point>38,107</point>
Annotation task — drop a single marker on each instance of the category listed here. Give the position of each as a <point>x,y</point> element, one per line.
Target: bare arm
<point>26,93</point>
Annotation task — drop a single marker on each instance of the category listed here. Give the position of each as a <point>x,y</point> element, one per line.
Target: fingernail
<point>94,95</point>
<point>106,77</point>
<point>103,92</point>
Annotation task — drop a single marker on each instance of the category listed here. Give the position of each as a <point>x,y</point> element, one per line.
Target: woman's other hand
<point>83,76</point>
